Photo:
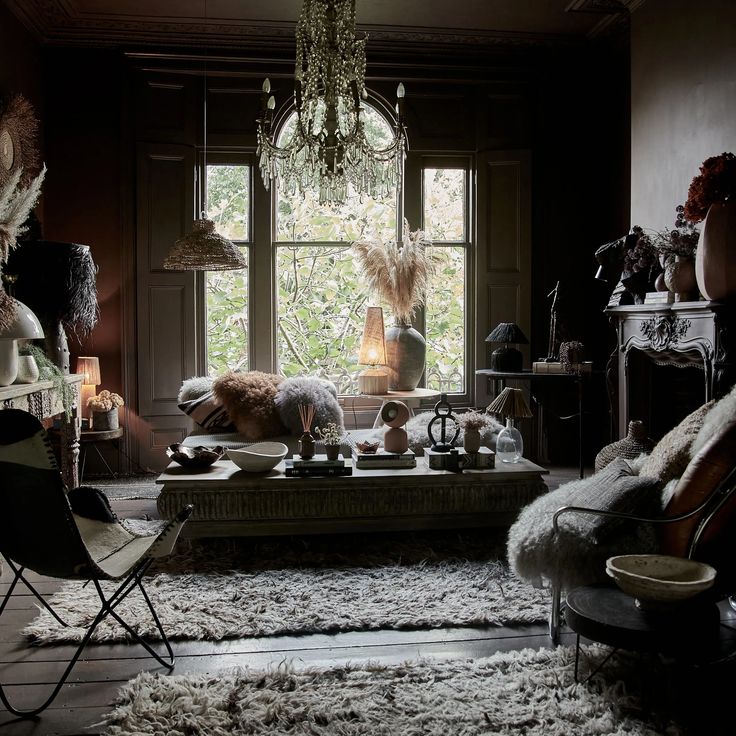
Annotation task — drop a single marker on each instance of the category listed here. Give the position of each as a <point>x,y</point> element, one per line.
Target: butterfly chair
<point>40,531</point>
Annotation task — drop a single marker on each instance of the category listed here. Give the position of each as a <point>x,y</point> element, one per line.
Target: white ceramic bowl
<point>259,458</point>
<point>660,578</point>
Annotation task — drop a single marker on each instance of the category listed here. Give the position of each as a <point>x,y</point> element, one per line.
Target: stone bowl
<point>194,458</point>
<point>660,578</point>
<point>259,458</point>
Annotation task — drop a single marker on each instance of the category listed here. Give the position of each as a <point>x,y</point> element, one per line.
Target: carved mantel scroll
<point>685,334</point>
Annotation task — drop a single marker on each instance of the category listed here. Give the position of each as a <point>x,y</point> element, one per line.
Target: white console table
<point>44,401</point>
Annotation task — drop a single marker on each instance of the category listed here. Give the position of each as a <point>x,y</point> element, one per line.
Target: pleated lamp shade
<point>510,403</point>
<point>204,250</point>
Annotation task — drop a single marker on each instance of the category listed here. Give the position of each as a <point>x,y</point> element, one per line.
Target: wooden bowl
<point>194,458</point>
<point>660,578</point>
<point>259,458</point>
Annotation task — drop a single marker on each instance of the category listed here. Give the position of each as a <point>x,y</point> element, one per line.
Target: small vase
<point>105,420</point>
<point>306,446</point>
<point>715,266</point>
<point>679,276</point>
<point>332,451</point>
<point>27,369</point>
<point>471,440</point>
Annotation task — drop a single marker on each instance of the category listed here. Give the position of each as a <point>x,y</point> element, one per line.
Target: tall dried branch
<point>398,273</point>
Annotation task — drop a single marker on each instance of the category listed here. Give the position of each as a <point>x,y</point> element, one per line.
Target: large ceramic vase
<point>405,353</point>
<point>715,264</point>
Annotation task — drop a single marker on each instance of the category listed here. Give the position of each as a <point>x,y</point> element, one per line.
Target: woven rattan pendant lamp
<point>203,249</point>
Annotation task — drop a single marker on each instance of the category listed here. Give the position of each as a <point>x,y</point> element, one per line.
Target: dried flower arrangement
<point>331,433</point>
<point>399,273</point>
<point>681,241</point>
<point>715,183</point>
<point>472,420</point>
<point>643,255</point>
<point>105,401</point>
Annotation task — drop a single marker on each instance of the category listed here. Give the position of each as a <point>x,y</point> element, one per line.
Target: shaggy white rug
<point>527,692</point>
<point>217,592</point>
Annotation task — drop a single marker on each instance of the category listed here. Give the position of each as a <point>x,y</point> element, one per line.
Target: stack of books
<point>659,297</point>
<point>319,465</point>
<point>382,459</point>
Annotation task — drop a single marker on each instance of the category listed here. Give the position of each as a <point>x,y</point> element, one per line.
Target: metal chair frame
<point>108,605</point>
<point>713,503</point>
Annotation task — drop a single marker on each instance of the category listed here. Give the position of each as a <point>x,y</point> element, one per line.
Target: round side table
<point>90,438</point>
<point>685,631</point>
<point>412,399</point>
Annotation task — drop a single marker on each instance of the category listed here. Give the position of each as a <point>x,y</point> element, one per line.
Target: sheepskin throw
<point>723,411</point>
<point>249,400</point>
<point>316,391</point>
<point>416,429</point>
<point>578,553</point>
<point>673,452</point>
<point>194,387</point>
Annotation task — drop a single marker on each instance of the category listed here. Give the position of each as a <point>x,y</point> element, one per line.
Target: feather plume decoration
<point>16,204</point>
<point>18,119</point>
<point>399,273</point>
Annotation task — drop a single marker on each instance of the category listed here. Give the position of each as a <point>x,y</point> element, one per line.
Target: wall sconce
<point>90,367</point>
<point>374,380</point>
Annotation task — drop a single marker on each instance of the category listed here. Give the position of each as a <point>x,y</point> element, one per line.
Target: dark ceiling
<point>241,22</point>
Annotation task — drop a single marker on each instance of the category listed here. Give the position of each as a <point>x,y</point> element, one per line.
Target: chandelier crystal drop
<point>328,149</point>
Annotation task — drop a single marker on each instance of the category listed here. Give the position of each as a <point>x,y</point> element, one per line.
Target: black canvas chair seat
<point>40,531</point>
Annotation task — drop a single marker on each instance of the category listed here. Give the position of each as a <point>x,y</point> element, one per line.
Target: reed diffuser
<point>306,441</point>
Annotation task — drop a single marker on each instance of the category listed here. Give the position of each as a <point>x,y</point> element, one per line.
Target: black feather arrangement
<point>58,281</point>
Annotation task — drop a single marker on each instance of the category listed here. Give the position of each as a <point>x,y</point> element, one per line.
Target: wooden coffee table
<point>231,502</point>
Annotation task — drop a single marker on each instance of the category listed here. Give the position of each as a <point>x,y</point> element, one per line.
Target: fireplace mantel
<point>699,334</point>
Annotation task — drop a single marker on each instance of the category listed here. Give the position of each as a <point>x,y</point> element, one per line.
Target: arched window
<point>321,300</point>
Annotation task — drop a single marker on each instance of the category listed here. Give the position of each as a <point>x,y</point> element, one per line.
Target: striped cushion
<point>207,412</point>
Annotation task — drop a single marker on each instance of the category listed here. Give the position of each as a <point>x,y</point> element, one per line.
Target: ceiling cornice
<point>57,22</point>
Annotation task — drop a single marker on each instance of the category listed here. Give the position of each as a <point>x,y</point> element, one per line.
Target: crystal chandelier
<point>328,149</point>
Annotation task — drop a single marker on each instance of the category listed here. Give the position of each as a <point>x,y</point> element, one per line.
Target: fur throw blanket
<point>249,401</point>
<point>320,393</point>
<point>194,387</point>
<point>416,429</point>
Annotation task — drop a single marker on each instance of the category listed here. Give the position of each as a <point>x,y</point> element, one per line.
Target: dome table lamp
<point>24,326</point>
<point>506,359</point>
<point>90,367</point>
<point>373,380</point>
<point>510,403</point>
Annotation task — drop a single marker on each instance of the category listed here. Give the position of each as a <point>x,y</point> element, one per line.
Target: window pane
<point>227,320</point>
<point>321,306</point>
<point>444,204</point>
<point>228,200</point>
<point>302,218</point>
<point>445,316</point>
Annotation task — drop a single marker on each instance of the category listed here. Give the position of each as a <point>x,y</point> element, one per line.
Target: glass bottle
<point>509,444</point>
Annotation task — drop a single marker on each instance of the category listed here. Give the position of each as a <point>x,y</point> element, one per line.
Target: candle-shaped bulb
<point>400,91</point>
<point>271,103</point>
<point>266,86</point>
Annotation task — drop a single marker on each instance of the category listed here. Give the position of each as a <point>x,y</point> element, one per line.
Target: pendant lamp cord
<point>203,189</point>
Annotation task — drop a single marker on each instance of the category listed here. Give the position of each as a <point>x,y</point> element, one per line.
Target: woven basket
<point>634,444</point>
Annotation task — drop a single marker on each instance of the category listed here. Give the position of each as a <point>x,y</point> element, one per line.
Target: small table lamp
<point>507,359</point>
<point>90,367</point>
<point>510,403</point>
<point>23,326</point>
<point>373,380</point>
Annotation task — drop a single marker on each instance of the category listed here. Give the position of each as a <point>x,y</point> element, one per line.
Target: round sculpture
<point>395,414</point>
<point>442,416</point>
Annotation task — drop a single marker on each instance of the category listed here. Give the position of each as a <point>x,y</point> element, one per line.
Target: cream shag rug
<point>318,585</point>
<point>527,692</point>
